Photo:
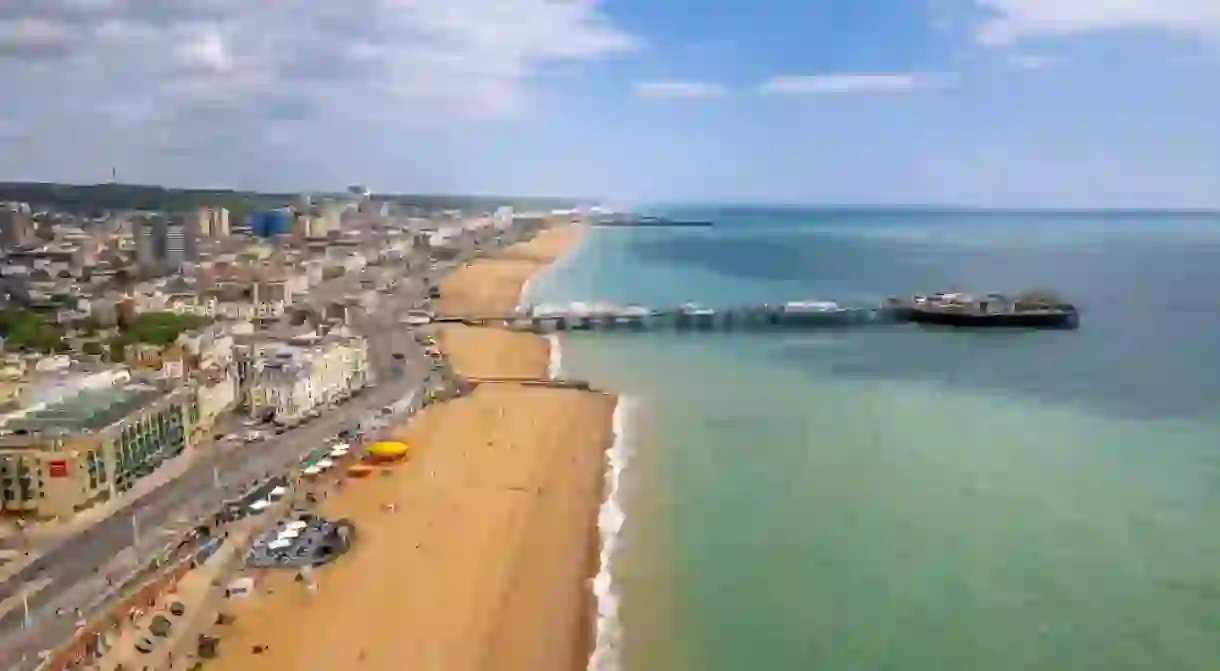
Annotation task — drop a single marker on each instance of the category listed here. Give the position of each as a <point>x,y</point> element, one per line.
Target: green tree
<point>160,328</point>
<point>27,330</point>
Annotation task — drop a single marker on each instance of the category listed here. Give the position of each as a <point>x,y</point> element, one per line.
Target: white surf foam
<point>554,367</point>
<point>605,656</point>
<point>523,299</point>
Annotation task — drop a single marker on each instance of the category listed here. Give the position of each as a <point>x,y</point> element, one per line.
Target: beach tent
<point>312,470</point>
<point>296,524</point>
<point>288,533</point>
<point>387,450</point>
<point>278,492</point>
<point>259,505</point>
<point>279,544</point>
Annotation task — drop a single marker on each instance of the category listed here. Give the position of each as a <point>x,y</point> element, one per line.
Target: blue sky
<point>994,102</point>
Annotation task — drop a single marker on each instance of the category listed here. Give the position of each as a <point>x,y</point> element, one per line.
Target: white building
<point>216,394</point>
<point>182,240</point>
<point>236,310</point>
<point>200,306</point>
<point>149,300</point>
<point>293,380</point>
<point>213,345</point>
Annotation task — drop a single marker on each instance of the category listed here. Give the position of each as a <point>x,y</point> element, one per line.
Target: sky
<point>1078,103</point>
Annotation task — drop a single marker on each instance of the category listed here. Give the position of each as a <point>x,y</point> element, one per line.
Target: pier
<point>584,317</point>
<point>1029,310</point>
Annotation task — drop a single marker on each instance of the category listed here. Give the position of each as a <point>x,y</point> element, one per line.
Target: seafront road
<point>74,567</point>
<point>78,558</point>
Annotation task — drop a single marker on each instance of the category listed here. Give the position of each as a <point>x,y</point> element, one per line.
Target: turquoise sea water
<point>915,499</point>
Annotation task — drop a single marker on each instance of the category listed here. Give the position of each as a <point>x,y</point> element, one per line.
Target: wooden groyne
<point>559,383</point>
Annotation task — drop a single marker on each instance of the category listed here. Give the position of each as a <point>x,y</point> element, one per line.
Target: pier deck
<point>993,311</point>
<point>638,318</point>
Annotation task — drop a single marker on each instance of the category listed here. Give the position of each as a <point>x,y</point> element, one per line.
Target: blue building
<point>270,223</point>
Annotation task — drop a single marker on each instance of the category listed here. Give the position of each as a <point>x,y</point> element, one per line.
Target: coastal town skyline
<point>995,103</point>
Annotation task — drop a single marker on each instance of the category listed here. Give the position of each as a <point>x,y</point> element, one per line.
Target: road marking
<point>28,590</point>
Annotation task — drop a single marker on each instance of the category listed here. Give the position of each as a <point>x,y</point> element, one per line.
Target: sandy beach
<point>484,563</point>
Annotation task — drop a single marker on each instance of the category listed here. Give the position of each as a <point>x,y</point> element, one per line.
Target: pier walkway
<point>586,317</point>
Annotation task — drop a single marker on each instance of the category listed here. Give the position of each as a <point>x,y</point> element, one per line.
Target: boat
<point>1031,310</point>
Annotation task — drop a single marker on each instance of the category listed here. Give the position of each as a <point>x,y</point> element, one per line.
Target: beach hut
<point>387,451</point>
<point>278,493</point>
<point>311,471</point>
<point>259,505</point>
<point>325,464</point>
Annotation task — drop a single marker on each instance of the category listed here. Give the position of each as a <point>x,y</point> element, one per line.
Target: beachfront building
<point>216,393</point>
<point>62,457</point>
<point>295,379</point>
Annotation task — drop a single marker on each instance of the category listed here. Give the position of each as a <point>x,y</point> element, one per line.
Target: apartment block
<point>60,458</point>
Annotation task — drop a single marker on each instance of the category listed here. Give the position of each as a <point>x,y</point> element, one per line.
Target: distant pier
<point>645,221</point>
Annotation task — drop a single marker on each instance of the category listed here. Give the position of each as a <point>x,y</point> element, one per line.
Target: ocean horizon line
<point>929,208</point>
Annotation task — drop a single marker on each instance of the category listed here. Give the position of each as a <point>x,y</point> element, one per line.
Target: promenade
<point>78,568</point>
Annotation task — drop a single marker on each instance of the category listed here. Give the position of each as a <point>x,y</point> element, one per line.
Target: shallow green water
<point>911,501</point>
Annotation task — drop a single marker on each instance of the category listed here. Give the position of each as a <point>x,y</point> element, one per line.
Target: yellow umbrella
<point>387,450</point>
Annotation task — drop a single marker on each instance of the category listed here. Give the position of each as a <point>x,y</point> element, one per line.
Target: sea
<point>900,497</point>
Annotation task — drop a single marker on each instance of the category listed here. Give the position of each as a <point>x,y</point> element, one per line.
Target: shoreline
<point>589,627</point>
<point>470,555</point>
<point>603,629</point>
<point>598,630</point>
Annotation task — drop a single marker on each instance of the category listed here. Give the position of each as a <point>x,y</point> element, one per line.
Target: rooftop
<point>90,410</point>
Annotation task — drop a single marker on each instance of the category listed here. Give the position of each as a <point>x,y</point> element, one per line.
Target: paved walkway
<point>200,591</point>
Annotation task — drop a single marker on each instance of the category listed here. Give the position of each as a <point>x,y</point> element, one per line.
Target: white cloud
<point>679,89</point>
<point>1033,61</point>
<point>207,51</point>
<point>33,35</point>
<point>160,73</point>
<point>825,84</point>
<point>1012,21</point>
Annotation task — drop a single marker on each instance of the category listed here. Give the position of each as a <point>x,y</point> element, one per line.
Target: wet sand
<point>485,561</point>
